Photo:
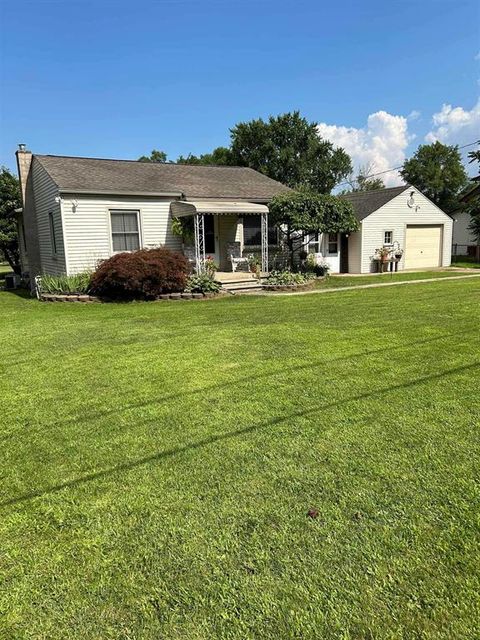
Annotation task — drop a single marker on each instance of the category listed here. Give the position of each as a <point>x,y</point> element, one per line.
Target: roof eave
<point>116,192</point>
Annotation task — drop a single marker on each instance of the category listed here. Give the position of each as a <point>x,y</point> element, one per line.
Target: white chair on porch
<point>234,253</point>
<point>189,253</point>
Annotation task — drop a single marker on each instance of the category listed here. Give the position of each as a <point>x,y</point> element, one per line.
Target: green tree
<point>437,171</point>
<point>474,226</point>
<point>288,148</point>
<point>300,213</point>
<point>155,156</point>
<point>220,156</point>
<point>9,201</point>
<point>474,156</point>
<point>362,181</point>
<point>473,206</point>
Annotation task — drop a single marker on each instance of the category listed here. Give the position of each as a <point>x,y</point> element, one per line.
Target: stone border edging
<point>287,287</point>
<point>85,298</point>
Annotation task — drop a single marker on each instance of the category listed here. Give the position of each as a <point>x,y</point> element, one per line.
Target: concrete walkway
<point>368,286</point>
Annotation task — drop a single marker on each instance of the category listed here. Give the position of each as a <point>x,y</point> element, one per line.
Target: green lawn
<point>159,460</point>
<point>351,281</point>
<point>466,262</point>
<point>4,268</point>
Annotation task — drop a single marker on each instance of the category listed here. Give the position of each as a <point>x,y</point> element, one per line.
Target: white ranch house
<point>78,211</point>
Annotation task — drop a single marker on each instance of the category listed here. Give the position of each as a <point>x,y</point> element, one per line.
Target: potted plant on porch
<point>382,255</point>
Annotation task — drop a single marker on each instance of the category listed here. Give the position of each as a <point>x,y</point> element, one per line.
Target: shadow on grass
<point>161,455</point>
<point>19,293</point>
<point>88,417</point>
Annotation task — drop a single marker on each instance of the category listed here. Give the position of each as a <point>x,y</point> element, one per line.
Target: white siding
<point>333,260</point>
<point>461,233</point>
<point>45,191</point>
<point>87,227</point>
<point>355,251</point>
<point>227,232</point>
<point>395,216</point>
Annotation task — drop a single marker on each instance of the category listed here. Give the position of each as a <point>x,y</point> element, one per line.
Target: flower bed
<point>291,287</point>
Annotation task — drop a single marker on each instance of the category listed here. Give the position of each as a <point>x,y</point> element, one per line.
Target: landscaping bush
<point>202,284</point>
<point>79,283</point>
<point>286,278</point>
<point>318,269</point>
<point>141,275</point>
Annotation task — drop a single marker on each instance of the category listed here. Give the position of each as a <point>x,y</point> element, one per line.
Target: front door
<point>343,253</point>
<point>210,226</point>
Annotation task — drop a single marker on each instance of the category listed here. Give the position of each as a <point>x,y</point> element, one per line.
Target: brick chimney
<point>24,161</point>
<point>24,164</point>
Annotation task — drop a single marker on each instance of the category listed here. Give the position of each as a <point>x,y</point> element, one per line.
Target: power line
<point>380,173</point>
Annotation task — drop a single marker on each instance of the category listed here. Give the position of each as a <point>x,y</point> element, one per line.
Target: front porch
<point>218,234</point>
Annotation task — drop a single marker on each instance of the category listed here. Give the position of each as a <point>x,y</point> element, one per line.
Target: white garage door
<point>423,246</point>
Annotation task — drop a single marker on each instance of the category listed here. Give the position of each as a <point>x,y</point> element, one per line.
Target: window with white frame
<point>387,237</point>
<point>125,230</point>
<point>332,243</point>
<point>314,242</point>
<point>53,238</point>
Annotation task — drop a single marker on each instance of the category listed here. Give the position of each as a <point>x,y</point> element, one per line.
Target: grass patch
<point>159,460</point>
<point>467,262</point>
<point>351,281</point>
<point>4,269</point>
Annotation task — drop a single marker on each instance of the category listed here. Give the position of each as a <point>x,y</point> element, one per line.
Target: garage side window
<point>387,237</point>
<point>125,230</point>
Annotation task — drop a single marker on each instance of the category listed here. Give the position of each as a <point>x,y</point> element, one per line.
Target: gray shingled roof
<point>366,202</point>
<point>93,175</point>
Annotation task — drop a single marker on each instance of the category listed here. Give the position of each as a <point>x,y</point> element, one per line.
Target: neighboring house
<point>463,238</point>
<point>398,217</point>
<point>78,211</point>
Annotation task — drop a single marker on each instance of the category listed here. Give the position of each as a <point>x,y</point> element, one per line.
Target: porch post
<point>264,228</point>
<point>199,230</point>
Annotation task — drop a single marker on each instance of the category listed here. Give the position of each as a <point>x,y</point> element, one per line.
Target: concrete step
<point>234,277</point>
<point>242,286</point>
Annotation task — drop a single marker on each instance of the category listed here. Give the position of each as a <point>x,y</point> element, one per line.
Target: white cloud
<point>477,57</point>
<point>455,125</point>
<point>414,115</point>
<point>381,143</point>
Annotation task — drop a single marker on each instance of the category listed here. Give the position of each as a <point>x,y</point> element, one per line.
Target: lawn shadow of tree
<point>161,455</point>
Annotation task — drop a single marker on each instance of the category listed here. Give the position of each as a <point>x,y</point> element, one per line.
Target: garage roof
<point>366,202</point>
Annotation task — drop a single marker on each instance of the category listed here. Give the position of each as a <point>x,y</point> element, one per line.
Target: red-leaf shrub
<point>140,275</point>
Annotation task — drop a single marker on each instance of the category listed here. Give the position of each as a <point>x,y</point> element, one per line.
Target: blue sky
<point>116,79</point>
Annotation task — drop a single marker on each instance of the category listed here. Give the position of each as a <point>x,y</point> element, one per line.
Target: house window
<point>332,243</point>
<point>53,239</point>
<point>125,232</point>
<point>252,232</point>
<point>314,243</point>
<point>387,237</point>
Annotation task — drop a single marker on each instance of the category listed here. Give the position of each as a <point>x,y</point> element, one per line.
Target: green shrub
<point>79,283</point>
<point>141,275</point>
<point>286,278</point>
<point>202,284</point>
<point>317,268</point>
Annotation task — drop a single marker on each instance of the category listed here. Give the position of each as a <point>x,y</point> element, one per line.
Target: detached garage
<point>400,218</point>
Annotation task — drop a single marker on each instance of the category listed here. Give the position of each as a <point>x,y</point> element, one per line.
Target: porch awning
<point>181,208</point>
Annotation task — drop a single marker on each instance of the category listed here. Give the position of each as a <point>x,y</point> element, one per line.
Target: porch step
<point>242,286</point>
<point>229,277</point>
